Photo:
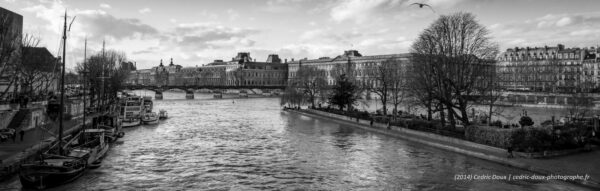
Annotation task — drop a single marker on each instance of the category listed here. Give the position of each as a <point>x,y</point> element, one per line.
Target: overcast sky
<point>197,32</point>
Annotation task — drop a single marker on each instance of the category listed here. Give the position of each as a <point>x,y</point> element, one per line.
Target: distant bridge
<point>190,89</point>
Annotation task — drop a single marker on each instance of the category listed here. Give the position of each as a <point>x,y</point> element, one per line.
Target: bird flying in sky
<point>421,5</point>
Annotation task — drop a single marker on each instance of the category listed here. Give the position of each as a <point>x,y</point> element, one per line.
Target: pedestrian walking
<point>510,152</point>
<point>14,136</point>
<point>371,121</point>
<point>22,134</point>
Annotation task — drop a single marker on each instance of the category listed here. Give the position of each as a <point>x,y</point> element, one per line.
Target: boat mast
<point>84,80</point>
<point>62,89</point>
<point>102,77</point>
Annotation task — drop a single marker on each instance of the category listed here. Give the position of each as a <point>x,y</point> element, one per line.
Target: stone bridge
<point>242,91</point>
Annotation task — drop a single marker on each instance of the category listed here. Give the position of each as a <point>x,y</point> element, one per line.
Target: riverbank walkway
<point>12,153</point>
<point>584,163</point>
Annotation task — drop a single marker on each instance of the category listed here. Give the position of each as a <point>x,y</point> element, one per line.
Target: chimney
<point>273,58</point>
<point>286,60</point>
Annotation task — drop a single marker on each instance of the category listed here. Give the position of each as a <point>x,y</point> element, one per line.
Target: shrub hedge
<point>521,139</point>
<point>491,136</point>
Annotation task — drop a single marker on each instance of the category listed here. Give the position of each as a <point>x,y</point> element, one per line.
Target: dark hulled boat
<point>53,170</point>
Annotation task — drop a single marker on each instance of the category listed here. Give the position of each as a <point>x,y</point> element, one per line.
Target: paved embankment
<point>12,153</point>
<point>576,164</point>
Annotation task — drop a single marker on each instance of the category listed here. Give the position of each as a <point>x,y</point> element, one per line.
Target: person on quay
<point>22,134</point>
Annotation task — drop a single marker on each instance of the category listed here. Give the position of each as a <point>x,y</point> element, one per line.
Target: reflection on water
<point>252,145</point>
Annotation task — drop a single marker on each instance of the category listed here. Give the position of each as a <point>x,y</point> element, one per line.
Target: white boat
<point>162,114</point>
<point>131,109</point>
<point>217,94</point>
<point>131,122</point>
<point>243,93</point>
<point>147,104</point>
<point>150,118</point>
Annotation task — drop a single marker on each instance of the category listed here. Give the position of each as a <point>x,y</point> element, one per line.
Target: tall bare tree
<point>457,51</point>
<point>579,106</point>
<point>382,76</point>
<point>398,83</point>
<point>492,94</point>
<point>37,67</point>
<point>389,82</point>
<point>311,81</point>
<point>292,96</point>
<point>106,76</point>
<point>421,84</point>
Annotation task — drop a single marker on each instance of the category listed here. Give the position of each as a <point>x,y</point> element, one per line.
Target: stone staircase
<point>6,117</point>
<point>18,118</point>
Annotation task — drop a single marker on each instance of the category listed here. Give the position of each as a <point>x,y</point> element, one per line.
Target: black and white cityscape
<point>299,95</point>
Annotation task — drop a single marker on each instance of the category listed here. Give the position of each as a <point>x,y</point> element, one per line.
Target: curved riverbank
<point>538,166</point>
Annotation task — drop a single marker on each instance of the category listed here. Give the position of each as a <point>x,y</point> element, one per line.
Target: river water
<point>250,144</point>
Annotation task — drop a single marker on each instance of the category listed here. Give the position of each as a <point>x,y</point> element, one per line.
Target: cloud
<point>105,6</point>
<point>361,11</point>
<point>148,50</point>
<point>95,24</point>
<point>210,35</point>
<point>92,23</point>
<point>371,42</point>
<point>331,35</point>
<point>309,50</point>
<point>585,32</point>
<point>233,15</point>
<point>145,10</point>
<point>400,44</point>
<point>575,29</point>
<point>564,22</point>
<point>357,10</point>
<point>281,6</point>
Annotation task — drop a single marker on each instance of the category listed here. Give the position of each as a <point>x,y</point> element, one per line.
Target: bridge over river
<point>217,90</point>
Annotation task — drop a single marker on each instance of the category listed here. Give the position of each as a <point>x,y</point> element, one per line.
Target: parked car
<point>7,132</point>
<point>3,138</point>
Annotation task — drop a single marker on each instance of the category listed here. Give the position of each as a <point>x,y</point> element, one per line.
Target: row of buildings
<point>550,69</point>
<point>243,71</point>
<point>539,69</point>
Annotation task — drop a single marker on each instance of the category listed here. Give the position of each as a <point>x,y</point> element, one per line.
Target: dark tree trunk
<point>429,111</point>
<point>451,114</point>
<point>442,115</point>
